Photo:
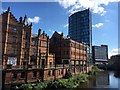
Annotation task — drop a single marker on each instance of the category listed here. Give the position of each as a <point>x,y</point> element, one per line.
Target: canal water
<point>103,80</point>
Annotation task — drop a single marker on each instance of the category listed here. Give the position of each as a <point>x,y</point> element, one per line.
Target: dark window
<point>50,64</point>
<point>62,71</point>
<point>23,75</point>
<point>13,50</point>
<point>58,72</point>
<point>13,39</point>
<point>25,55</point>
<point>49,73</point>
<point>34,74</point>
<point>14,75</point>
<point>40,74</point>
<point>27,36</point>
<point>53,72</point>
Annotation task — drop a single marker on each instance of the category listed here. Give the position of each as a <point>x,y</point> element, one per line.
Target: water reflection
<point>103,80</point>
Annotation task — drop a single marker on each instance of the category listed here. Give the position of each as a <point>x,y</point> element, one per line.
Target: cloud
<point>3,10</point>
<point>51,30</point>
<point>59,32</point>
<point>66,25</point>
<point>36,19</point>
<point>96,6</point>
<point>114,51</point>
<point>98,25</point>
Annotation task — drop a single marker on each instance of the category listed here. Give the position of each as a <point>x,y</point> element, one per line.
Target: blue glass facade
<point>80,27</point>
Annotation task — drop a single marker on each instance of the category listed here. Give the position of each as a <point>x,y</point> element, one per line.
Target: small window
<point>53,72</point>
<point>49,73</point>
<point>13,50</point>
<point>25,55</point>
<point>58,72</point>
<point>50,64</point>
<point>14,29</point>
<point>14,39</point>
<point>62,71</point>
<point>34,74</point>
<point>23,75</point>
<point>14,75</point>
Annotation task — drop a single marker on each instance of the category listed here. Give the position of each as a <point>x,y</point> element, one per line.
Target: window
<point>13,39</point>
<point>66,52</point>
<point>49,73</point>
<point>40,74</point>
<point>53,72</point>
<point>62,72</point>
<point>14,75</point>
<point>26,35</point>
<point>12,61</point>
<point>13,50</point>
<point>23,75</point>
<point>34,74</point>
<point>50,64</point>
<point>43,43</point>
<point>14,30</point>
<point>58,72</point>
<point>34,43</point>
<point>25,55</point>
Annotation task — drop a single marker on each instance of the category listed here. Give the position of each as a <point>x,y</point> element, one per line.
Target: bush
<point>26,87</point>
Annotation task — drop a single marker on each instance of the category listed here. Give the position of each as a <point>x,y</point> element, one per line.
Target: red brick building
<point>25,58</point>
<point>30,58</point>
<point>16,39</point>
<point>68,51</point>
<point>40,55</point>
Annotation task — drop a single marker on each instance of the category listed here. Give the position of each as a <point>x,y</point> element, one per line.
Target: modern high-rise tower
<point>80,28</point>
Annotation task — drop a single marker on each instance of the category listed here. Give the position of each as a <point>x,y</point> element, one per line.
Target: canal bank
<point>101,80</point>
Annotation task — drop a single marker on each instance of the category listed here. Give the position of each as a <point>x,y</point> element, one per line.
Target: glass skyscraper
<point>80,29</point>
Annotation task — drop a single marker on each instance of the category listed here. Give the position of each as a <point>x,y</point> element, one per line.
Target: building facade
<point>67,51</point>
<point>16,39</point>
<point>100,54</point>
<point>40,55</point>
<point>28,58</point>
<point>80,29</point>
<point>25,58</point>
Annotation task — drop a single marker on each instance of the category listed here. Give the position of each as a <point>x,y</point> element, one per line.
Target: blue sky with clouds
<point>53,16</point>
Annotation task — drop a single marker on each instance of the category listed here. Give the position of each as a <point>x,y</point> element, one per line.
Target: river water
<point>103,80</point>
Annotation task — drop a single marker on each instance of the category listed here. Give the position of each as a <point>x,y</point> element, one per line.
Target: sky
<point>53,16</point>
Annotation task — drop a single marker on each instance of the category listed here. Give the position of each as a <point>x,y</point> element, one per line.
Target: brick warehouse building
<point>30,58</point>
<point>68,51</point>
<point>25,57</point>
<point>16,39</point>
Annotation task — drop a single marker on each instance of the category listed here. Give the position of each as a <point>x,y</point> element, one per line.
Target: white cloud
<point>98,25</point>
<point>66,25</point>
<point>3,10</point>
<point>59,32</point>
<point>114,51</point>
<point>51,30</point>
<point>36,19</point>
<point>94,5</point>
